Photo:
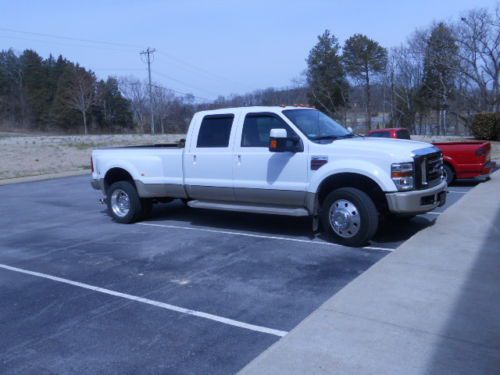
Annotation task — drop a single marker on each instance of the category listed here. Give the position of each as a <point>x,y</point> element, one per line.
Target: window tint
<point>381,134</point>
<point>215,131</point>
<point>256,129</point>
<point>403,134</point>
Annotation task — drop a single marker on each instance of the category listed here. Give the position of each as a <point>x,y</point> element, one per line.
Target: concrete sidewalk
<point>431,307</point>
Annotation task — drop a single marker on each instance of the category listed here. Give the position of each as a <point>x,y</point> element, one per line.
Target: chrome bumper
<point>417,201</point>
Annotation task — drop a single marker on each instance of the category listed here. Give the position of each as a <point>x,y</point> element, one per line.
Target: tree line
<point>55,94</point>
<point>435,82</point>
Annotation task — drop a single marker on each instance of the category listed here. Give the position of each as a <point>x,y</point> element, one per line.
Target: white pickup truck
<point>292,161</point>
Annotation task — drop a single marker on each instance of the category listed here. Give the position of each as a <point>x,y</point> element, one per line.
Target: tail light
<point>484,151</point>
<point>91,165</point>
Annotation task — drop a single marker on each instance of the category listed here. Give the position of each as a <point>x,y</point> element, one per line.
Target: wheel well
<point>445,162</point>
<point>353,180</point>
<point>115,175</point>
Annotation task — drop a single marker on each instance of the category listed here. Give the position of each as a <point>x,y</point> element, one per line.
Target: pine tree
<point>363,58</point>
<point>326,77</point>
<point>440,71</point>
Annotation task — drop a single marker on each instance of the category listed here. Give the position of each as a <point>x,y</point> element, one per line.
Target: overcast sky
<point>210,47</point>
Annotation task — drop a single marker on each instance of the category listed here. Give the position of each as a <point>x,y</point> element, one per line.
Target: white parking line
<point>147,301</point>
<point>457,192</point>
<point>259,236</point>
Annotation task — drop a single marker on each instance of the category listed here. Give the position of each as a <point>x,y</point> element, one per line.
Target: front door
<point>264,177</point>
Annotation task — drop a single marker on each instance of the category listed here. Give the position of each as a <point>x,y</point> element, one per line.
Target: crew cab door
<point>262,176</point>
<point>208,161</point>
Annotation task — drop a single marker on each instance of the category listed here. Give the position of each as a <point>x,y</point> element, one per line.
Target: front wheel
<point>349,216</point>
<point>448,174</point>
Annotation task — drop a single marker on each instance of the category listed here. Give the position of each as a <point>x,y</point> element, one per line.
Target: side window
<point>403,134</point>
<point>381,134</point>
<point>257,127</point>
<point>215,131</point>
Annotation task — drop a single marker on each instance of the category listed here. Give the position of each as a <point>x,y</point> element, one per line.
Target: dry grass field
<point>27,155</point>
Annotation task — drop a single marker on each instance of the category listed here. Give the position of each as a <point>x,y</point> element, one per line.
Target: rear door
<point>208,162</point>
<point>261,176</point>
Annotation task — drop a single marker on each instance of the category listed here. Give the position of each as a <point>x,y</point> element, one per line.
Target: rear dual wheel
<point>124,204</point>
<point>349,216</point>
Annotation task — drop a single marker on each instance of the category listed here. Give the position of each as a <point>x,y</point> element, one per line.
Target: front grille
<point>428,170</point>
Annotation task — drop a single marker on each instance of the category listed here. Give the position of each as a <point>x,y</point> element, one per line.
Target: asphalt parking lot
<point>188,291</point>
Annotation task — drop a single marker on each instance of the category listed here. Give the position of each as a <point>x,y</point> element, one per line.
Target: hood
<point>395,148</point>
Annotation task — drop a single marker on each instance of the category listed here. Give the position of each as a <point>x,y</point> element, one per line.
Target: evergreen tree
<point>440,71</point>
<point>326,77</point>
<point>35,87</point>
<point>111,109</point>
<point>363,58</point>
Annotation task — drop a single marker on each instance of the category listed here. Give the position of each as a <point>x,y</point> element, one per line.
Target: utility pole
<point>148,53</point>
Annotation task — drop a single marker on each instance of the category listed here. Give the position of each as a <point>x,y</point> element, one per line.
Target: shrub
<point>485,126</point>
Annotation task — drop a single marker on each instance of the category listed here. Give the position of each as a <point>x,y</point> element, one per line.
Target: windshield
<point>317,126</point>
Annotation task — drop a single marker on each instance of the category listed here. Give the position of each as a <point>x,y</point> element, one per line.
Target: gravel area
<point>36,155</point>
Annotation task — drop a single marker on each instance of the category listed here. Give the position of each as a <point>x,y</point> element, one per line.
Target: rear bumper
<point>488,168</point>
<point>97,184</point>
<point>417,201</point>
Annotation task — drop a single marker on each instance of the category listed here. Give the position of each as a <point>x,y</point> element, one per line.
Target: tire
<point>449,174</point>
<point>124,204</point>
<point>355,213</point>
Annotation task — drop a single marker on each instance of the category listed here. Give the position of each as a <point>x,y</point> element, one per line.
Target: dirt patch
<point>36,155</point>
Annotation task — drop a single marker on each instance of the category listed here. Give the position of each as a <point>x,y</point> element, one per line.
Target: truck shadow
<point>176,213</point>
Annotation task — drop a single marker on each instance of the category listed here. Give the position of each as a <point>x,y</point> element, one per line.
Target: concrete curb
<point>431,307</point>
<point>18,180</point>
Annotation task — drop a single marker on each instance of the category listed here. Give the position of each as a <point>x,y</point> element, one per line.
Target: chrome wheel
<point>344,218</point>
<point>120,203</point>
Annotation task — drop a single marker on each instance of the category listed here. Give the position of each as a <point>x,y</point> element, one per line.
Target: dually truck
<point>290,160</point>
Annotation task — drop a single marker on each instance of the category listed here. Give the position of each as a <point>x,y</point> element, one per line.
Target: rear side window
<point>403,134</point>
<point>215,131</point>
<point>381,134</point>
<point>257,127</point>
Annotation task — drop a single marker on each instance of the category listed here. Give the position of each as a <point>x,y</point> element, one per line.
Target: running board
<point>255,209</point>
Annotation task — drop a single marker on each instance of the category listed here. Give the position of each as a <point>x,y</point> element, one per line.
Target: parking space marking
<point>457,192</point>
<point>280,238</point>
<point>148,301</point>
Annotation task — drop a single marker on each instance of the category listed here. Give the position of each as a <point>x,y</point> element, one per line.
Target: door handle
<point>194,159</point>
<point>239,159</point>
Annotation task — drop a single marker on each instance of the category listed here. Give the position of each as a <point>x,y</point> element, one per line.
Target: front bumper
<point>417,201</point>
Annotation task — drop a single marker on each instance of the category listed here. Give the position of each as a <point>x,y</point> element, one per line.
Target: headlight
<point>403,176</point>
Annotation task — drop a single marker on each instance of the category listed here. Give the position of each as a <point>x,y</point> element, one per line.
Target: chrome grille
<point>428,169</point>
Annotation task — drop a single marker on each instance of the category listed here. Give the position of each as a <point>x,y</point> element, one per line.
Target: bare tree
<point>136,91</point>
<point>80,93</point>
<point>478,35</point>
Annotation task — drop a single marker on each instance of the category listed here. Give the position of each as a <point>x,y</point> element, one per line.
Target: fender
<point>365,168</point>
<point>151,171</point>
<point>451,162</point>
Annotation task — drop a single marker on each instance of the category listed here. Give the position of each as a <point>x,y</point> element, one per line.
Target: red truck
<point>462,160</point>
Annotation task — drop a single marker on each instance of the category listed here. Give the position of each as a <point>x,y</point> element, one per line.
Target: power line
<point>70,38</point>
<point>199,69</point>
<point>52,42</point>
<point>169,56</point>
<point>184,83</point>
